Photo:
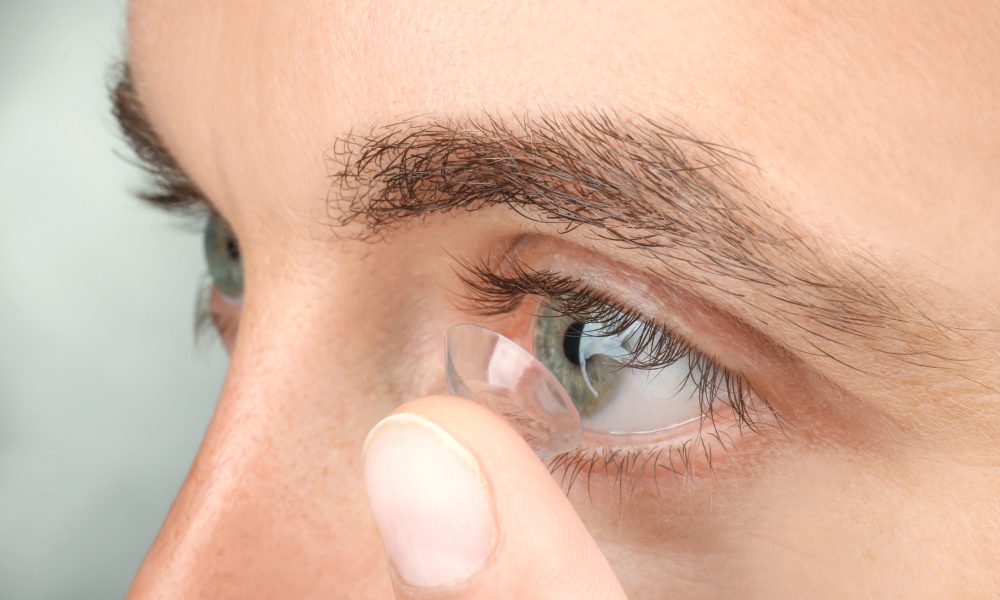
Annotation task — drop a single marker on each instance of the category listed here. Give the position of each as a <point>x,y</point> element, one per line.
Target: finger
<point>466,510</point>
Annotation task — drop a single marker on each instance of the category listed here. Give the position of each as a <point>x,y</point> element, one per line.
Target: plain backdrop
<point>104,394</point>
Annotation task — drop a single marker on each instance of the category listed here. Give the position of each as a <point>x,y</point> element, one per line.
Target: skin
<point>873,126</point>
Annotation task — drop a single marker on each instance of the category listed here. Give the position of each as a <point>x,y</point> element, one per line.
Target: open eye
<point>594,362</point>
<point>650,400</point>
<point>222,254</point>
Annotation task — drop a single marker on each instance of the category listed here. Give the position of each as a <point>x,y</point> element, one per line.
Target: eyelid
<point>497,293</point>
<point>687,314</point>
<point>801,396</point>
<point>703,449</point>
<point>216,314</point>
<point>682,313</point>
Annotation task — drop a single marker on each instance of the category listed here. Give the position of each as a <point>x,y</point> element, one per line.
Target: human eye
<point>222,297</point>
<point>625,376</point>
<point>646,394</point>
<point>222,257</point>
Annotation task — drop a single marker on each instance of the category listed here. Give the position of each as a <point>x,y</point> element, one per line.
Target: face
<point>795,206</point>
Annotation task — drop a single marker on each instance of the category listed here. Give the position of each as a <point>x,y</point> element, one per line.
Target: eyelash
<point>489,293</point>
<point>204,321</point>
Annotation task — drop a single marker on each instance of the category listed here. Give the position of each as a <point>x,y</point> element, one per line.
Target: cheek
<point>831,522</point>
<point>812,521</point>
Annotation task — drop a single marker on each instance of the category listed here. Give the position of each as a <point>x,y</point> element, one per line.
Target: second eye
<point>222,255</point>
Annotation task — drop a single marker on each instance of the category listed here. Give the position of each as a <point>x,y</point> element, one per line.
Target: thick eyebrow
<point>647,185</point>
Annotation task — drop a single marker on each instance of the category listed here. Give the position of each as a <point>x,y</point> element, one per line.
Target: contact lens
<point>487,367</point>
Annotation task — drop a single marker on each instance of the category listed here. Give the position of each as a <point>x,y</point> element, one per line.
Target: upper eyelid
<point>490,293</point>
<point>676,310</point>
<point>744,398</point>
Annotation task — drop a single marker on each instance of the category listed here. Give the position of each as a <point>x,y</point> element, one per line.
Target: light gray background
<point>103,393</point>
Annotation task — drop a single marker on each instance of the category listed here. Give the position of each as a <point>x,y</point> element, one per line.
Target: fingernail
<point>430,501</point>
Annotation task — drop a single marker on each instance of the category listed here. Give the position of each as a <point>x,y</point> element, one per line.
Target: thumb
<point>466,510</point>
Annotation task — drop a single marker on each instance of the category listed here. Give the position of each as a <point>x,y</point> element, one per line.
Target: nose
<point>273,506</point>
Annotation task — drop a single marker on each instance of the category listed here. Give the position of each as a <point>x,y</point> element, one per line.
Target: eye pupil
<point>571,342</point>
<point>232,248</point>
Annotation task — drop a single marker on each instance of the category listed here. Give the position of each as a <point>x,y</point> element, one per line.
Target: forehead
<point>842,106</point>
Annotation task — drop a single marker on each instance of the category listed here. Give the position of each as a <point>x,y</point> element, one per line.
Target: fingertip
<point>473,424</point>
<point>539,548</point>
<point>430,501</point>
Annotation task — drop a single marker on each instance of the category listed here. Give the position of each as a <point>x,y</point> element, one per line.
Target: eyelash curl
<point>490,293</point>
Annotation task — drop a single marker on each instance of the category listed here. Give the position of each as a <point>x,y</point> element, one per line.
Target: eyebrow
<point>646,185</point>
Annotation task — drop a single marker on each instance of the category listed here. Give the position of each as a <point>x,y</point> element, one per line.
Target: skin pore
<point>813,192</point>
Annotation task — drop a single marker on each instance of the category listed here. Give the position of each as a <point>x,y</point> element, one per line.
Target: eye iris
<point>582,360</point>
<point>222,254</point>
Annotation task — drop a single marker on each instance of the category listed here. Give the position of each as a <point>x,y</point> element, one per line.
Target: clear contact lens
<point>485,366</point>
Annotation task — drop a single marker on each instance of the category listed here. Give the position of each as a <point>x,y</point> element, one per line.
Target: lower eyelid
<point>700,451</point>
<point>224,313</point>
